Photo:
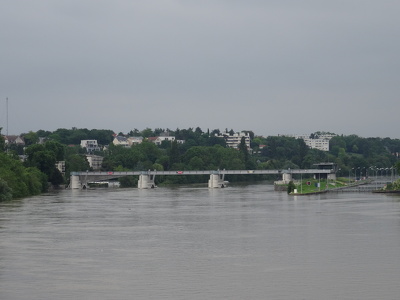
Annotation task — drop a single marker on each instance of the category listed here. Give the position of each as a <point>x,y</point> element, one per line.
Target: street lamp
<point>391,174</point>
<point>372,169</point>
<point>361,172</point>
<point>350,173</point>
<point>355,174</point>
<point>301,183</point>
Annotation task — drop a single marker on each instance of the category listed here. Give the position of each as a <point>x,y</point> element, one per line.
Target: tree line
<point>201,150</point>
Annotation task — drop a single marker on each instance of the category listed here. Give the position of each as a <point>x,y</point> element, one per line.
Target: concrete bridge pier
<point>75,183</point>
<point>286,178</point>
<point>146,181</point>
<point>216,181</point>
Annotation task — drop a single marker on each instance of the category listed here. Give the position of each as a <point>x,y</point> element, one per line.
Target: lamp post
<point>391,174</point>
<point>350,173</point>
<point>372,171</point>
<point>355,174</point>
<point>301,183</point>
<point>319,182</point>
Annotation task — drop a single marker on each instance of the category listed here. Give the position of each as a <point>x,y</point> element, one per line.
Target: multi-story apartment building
<point>233,140</point>
<point>95,161</point>
<point>320,142</point>
<point>90,145</point>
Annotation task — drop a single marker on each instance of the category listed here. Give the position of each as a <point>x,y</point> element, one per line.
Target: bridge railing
<point>203,172</point>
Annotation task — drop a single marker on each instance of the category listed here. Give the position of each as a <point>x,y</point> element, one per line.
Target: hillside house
<point>90,145</point>
<point>120,141</point>
<point>14,140</point>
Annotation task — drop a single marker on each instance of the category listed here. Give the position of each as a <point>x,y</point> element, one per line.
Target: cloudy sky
<point>271,66</point>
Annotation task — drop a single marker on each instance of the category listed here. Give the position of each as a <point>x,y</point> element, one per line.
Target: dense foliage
<point>17,181</point>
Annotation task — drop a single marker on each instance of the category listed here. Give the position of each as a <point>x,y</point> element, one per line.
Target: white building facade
<point>95,161</point>
<point>90,145</point>
<point>233,140</point>
<point>320,143</point>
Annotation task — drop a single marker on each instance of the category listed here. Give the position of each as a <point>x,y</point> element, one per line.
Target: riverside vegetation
<point>200,151</point>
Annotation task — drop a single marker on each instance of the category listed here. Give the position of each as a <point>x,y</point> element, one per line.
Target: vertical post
<point>301,183</point>
<point>319,181</point>
<point>7,114</point>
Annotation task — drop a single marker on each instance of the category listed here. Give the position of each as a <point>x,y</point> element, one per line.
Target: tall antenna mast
<point>7,114</point>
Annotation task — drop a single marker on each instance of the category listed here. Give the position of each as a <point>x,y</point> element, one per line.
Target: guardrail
<point>204,172</point>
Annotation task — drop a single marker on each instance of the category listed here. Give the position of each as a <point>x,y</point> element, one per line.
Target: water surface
<point>242,242</point>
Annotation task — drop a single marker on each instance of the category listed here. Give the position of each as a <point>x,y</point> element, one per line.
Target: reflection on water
<point>242,242</point>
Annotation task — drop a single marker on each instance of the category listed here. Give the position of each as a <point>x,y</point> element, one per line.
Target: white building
<point>233,141</point>
<point>121,141</point>
<point>161,139</point>
<point>320,143</point>
<point>95,161</point>
<point>60,165</point>
<point>90,145</point>
<point>134,140</point>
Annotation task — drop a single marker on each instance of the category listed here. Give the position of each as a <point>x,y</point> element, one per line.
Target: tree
<point>174,155</point>
<point>21,181</point>
<point>2,142</point>
<point>398,167</point>
<point>57,148</point>
<point>291,187</point>
<point>77,163</point>
<point>44,158</point>
<point>5,191</point>
<point>147,133</point>
<point>243,150</point>
<point>30,138</point>
<point>196,163</point>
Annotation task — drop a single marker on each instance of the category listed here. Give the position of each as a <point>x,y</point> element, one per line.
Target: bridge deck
<point>206,172</point>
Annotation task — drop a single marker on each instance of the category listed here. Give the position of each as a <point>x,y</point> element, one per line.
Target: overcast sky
<point>271,66</point>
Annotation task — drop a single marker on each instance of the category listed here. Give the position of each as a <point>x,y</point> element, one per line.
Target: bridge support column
<point>146,182</point>
<point>216,181</point>
<point>75,183</point>
<point>286,178</point>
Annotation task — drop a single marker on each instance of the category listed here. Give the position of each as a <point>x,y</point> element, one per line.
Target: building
<point>161,139</point>
<point>14,140</point>
<point>95,161</point>
<point>134,140</point>
<point>233,140</point>
<point>60,165</point>
<point>90,145</point>
<point>120,141</point>
<point>320,142</point>
<point>326,166</point>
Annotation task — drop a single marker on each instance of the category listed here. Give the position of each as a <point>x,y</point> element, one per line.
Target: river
<point>241,242</point>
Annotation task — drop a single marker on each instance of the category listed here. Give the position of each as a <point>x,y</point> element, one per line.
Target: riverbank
<point>314,187</point>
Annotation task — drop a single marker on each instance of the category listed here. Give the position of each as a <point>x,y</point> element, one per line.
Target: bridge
<point>80,180</point>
